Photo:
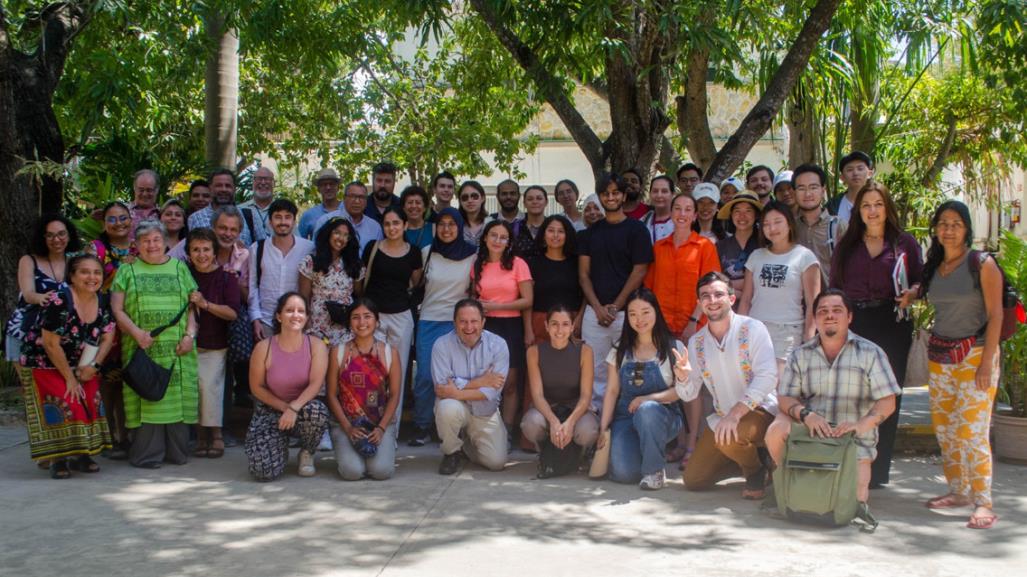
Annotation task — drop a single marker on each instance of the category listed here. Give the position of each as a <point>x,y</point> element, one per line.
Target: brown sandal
<point>217,448</point>
<point>202,449</point>
<point>947,501</point>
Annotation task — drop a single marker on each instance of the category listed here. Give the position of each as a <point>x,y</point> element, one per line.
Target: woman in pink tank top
<point>287,372</point>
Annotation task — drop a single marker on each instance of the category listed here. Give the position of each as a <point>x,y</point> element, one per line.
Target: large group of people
<point>693,324</point>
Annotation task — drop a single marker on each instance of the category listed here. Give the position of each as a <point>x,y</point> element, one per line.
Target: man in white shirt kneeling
<point>733,357</point>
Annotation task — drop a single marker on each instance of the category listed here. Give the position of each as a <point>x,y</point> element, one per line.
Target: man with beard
<point>383,181</point>
<point>199,195</point>
<point>760,179</point>
<point>327,183</point>
<point>815,229</point>
<point>508,194</point>
<point>836,383</point>
<point>733,357</point>
<point>263,194</point>
<point>855,169</point>
<point>633,205</point>
<point>354,201</point>
<point>275,266</point>
<point>613,260</point>
<point>222,187</point>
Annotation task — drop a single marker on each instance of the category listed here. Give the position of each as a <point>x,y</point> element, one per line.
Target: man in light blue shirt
<point>354,201</point>
<point>469,367</point>
<point>327,183</point>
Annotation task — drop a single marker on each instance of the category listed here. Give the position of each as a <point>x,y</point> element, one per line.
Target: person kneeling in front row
<point>469,366</point>
<point>836,377</point>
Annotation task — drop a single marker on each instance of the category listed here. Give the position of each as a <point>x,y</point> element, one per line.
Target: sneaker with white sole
<point>653,481</point>
<point>326,442</point>
<point>306,468</point>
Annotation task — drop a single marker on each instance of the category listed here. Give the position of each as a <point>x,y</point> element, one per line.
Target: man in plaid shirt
<point>836,383</point>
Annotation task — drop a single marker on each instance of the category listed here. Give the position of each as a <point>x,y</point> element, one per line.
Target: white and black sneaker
<point>420,438</point>
<point>653,481</point>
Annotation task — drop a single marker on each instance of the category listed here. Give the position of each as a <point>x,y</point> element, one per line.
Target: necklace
<point>360,352</point>
<point>869,236</point>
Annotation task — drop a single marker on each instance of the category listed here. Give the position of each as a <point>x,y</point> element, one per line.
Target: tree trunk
<point>803,136</point>
<point>29,131</point>
<point>863,121</point>
<point>220,115</point>
<point>759,119</point>
<point>693,114</point>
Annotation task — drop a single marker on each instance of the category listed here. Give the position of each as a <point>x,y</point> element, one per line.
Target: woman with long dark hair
<point>963,359</point>
<point>554,271</point>
<point>502,282</point>
<point>114,245</point>
<point>472,210</point>
<point>172,215</point>
<point>331,275</point>
<point>640,406</point>
<point>287,372</point>
<point>863,266</point>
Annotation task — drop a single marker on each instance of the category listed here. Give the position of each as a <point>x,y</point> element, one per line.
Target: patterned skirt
<point>59,427</point>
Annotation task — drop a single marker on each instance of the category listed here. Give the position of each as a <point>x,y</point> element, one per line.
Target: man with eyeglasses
<point>354,201</point>
<point>688,176</point>
<point>222,187</point>
<point>145,186</point>
<point>733,357</point>
<point>815,229</point>
<point>613,259</point>
<point>327,183</point>
<point>263,194</point>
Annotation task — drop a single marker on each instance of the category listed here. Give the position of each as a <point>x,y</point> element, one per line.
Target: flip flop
<point>201,450</point>
<point>217,449</point>
<point>84,464</point>
<point>59,469</point>
<point>981,521</point>
<point>948,501</point>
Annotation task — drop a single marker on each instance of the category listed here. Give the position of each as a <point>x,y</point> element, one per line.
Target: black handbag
<point>337,312</point>
<point>142,374</point>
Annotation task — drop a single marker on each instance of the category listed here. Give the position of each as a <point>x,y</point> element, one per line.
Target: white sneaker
<point>306,468</point>
<point>652,481</point>
<point>326,442</point>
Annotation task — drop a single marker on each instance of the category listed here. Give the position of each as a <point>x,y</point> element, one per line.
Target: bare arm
<point>810,289</point>
<point>585,397</point>
<point>535,387</point>
<point>258,378</point>
<point>634,281</point>
<point>745,303</point>
<point>991,288</point>
<point>27,282</point>
<point>332,390</point>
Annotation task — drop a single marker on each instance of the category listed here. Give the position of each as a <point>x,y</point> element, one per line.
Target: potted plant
<point>1009,422</point>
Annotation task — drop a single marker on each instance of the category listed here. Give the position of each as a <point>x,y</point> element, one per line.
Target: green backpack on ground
<point>817,481</point>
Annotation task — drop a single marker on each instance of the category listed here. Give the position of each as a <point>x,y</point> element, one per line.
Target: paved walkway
<point>207,518</point>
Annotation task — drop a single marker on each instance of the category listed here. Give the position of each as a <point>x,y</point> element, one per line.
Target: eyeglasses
<point>499,239</point>
<point>446,224</point>
<point>52,235</point>
<point>118,219</point>
<point>811,188</point>
<point>471,196</point>
<point>359,197</point>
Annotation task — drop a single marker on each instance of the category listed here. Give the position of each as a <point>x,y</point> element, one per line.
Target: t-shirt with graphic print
<point>777,284</point>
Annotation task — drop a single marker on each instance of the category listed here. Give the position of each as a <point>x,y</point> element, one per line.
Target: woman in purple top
<point>287,372</point>
<point>863,266</point>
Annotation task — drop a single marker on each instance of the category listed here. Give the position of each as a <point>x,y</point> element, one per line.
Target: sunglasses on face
<point>471,196</point>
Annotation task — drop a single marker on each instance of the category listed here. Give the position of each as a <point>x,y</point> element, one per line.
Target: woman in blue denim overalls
<point>640,406</point>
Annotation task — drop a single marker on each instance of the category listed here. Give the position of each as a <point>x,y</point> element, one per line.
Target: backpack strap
<point>866,522</point>
<point>248,217</point>
<point>260,258</point>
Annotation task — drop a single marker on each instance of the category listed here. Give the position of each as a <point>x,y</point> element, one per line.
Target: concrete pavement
<point>208,518</point>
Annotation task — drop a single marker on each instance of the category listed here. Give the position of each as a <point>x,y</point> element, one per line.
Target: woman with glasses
<point>566,193</point>
<point>640,406</point>
<point>472,210</point>
<point>447,274</point>
<point>331,278</point>
<point>502,282</point>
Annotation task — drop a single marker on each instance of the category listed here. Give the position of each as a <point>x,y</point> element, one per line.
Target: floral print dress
<point>335,285</point>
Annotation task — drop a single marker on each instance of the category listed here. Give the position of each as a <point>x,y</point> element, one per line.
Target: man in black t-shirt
<point>614,258</point>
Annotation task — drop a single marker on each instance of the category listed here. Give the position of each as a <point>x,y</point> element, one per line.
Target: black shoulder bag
<point>148,379</point>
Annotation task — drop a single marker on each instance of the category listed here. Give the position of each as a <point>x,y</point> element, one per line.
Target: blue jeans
<point>424,388</point>
<point>638,442</point>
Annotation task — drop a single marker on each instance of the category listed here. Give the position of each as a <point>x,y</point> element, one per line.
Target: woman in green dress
<point>148,294</point>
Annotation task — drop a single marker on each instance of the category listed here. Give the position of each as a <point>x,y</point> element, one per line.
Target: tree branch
<point>943,153</point>
<point>548,85</point>
<point>62,21</point>
<point>765,110</point>
<point>693,118</point>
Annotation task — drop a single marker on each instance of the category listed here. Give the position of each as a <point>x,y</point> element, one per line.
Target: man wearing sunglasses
<point>733,357</point>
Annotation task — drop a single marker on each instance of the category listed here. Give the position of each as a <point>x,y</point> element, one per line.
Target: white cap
<point>706,190</point>
<point>733,181</point>
<point>782,177</point>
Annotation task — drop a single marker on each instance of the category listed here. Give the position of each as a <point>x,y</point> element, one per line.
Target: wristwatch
<point>95,365</point>
<point>805,412</point>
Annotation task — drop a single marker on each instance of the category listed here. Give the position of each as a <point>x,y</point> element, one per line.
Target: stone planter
<point>1010,438</point>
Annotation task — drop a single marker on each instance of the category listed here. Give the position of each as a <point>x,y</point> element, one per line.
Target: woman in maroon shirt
<point>863,267</point>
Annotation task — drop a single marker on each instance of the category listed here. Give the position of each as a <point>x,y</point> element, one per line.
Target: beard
<point>633,195</point>
<point>382,194</point>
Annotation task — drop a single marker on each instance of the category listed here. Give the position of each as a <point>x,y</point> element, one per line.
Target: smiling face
<point>496,240</point>
<point>471,200</point>
<point>716,300</point>
<point>201,254</point>
<point>151,247</point>
<point>282,222</point>
<point>413,207</point>
<point>743,216</point>
<point>56,237</point>
<point>223,188</point>
<point>707,209</point>
<point>339,238</point>
<point>633,185</point>
<point>831,317</point>
<point>727,192</point>
<point>809,193</point>
<point>687,180</point>
<point>263,184</point>
<point>555,235</point>
<point>612,198</point>
<point>534,202</point>
<point>355,201</point>
<point>393,226</point>
<point>560,326</point>
<point>872,210</point>
<point>760,182</point>
<point>469,325</point>
<point>199,197</point>
<point>117,223</point>
<point>591,214</point>
<point>443,191</point>
<point>641,316</point>
<point>566,196</point>
<point>145,190</point>
<point>227,228</point>
<point>660,195</point>
<point>328,188</point>
<point>362,322</point>
<point>682,212</point>
<point>951,231</point>
<point>293,316</point>
<point>775,228</point>
<point>508,196</point>
<point>173,218</point>
<point>446,229</point>
<point>87,276</point>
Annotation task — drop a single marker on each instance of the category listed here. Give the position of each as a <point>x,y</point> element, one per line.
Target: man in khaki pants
<point>733,357</point>
<point>469,366</point>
